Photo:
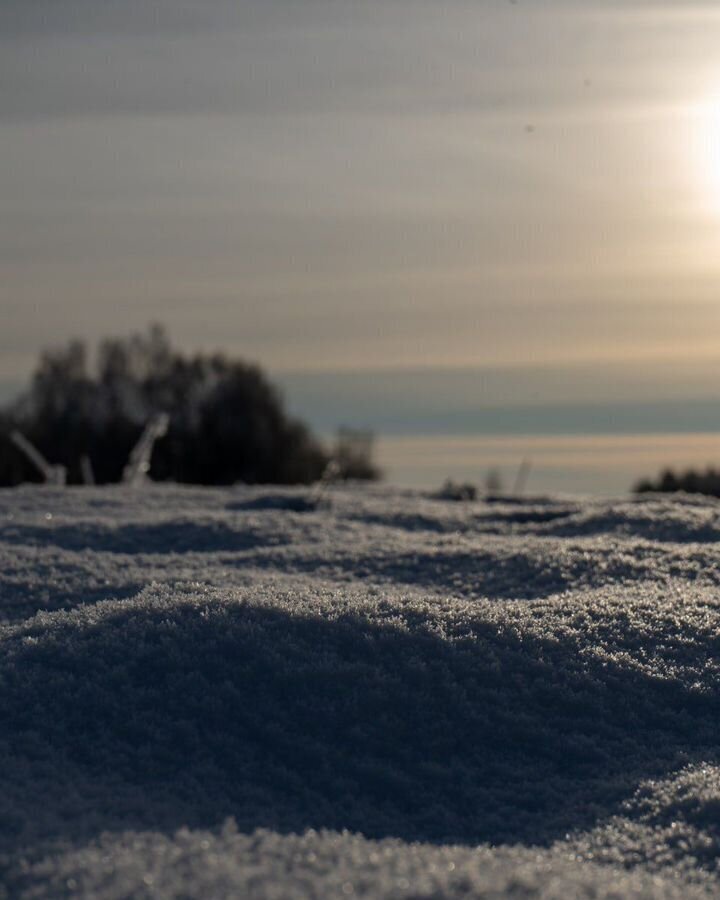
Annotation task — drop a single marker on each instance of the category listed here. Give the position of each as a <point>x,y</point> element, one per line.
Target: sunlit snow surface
<point>235,694</point>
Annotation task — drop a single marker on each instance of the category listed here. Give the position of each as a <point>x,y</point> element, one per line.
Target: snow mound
<point>245,692</point>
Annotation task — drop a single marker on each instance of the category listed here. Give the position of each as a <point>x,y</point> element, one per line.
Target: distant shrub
<point>353,455</point>
<point>458,491</point>
<point>227,422</point>
<point>692,482</point>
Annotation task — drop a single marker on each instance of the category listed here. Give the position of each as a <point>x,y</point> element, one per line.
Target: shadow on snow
<point>157,537</point>
<point>155,717</point>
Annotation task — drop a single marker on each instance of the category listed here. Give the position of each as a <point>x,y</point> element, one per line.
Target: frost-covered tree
<point>227,421</point>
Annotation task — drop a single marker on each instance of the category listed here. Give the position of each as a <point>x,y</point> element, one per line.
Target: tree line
<point>692,482</point>
<point>227,422</point>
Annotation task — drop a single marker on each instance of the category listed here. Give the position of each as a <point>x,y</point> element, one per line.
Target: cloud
<point>77,57</point>
<point>415,171</point>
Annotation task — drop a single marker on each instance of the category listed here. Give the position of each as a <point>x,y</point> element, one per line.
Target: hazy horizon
<point>583,429</point>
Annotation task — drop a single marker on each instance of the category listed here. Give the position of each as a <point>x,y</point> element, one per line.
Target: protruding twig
<point>54,475</point>
<point>329,477</point>
<point>138,465</point>
<point>86,469</point>
<point>522,476</point>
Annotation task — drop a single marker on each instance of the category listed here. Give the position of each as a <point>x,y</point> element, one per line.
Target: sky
<point>516,201</point>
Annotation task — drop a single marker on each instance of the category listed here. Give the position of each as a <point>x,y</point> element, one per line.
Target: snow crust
<point>262,693</point>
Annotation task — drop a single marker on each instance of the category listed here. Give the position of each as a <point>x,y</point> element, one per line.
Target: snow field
<point>224,693</point>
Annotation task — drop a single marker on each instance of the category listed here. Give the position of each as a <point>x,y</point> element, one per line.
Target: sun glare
<point>708,151</point>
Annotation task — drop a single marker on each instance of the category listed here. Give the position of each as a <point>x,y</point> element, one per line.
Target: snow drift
<point>249,692</point>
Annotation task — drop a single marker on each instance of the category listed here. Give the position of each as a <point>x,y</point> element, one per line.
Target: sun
<point>708,151</point>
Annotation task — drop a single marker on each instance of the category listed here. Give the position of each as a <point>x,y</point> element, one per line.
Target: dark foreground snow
<point>232,693</point>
